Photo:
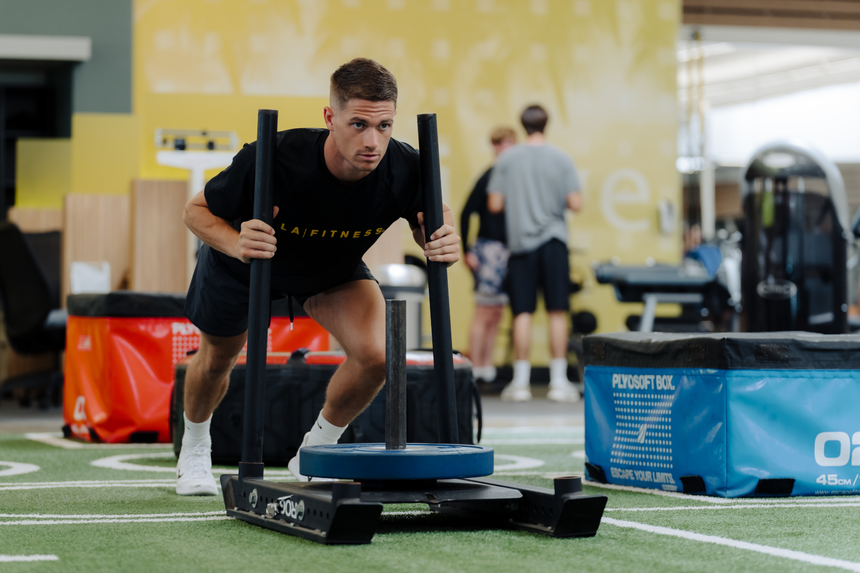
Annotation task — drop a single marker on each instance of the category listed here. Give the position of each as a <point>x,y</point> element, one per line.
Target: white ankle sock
<point>558,372</point>
<point>324,433</point>
<point>522,373</point>
<point>486,373</point>
<point>196,433</point>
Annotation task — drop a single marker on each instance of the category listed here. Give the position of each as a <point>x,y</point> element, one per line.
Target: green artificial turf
<point>408,538</point>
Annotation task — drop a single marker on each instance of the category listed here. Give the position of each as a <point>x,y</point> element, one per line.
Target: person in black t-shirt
<point>488,259</point>
<point>336,190</point>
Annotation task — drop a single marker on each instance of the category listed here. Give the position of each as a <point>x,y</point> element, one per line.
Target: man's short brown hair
<point>362,78</point>
<point>501,134</point>
<point>534,119</point>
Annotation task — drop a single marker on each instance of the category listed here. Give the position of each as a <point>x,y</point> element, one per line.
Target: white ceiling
<point>745,64</point>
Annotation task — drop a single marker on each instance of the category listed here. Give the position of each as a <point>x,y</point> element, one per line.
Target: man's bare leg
<point>482,338</point>
<point>522,335</point>
<point>558,333</point>
<point>519,389</point>
<point>494,317</point>
<point>206,382</point>
<point>560,388</point>
<point>354,313</point>
<point>208,374</point>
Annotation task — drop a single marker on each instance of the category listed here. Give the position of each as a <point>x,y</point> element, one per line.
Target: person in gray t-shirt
<point>534,184</point>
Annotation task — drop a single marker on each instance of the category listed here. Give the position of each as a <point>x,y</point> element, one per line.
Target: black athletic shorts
<point>217,302</point>
<point>547,269</point>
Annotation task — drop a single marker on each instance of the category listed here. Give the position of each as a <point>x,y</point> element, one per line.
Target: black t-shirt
<point>323,227</point>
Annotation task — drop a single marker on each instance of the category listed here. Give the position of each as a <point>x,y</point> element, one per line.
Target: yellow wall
<point>216,112</point>
<point>105,156</point>
<point>43,172</point>
<point>605,70</point>
<point>102,156</point>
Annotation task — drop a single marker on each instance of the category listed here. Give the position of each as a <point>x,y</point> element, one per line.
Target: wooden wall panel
<point>97,228</point>
<point>159,237</point>
<point>31,220</point>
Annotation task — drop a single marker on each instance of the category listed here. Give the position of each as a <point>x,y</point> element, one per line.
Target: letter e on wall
<point>625,187</point>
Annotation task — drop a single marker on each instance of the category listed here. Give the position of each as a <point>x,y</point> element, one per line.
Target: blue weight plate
<point>417,461</point>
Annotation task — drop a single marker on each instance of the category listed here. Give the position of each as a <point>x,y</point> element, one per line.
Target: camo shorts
<point>492,270</point>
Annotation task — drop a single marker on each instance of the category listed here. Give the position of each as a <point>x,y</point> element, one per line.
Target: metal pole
<point>437,281</point>
<point>395,374</point>
<point>251,465</point>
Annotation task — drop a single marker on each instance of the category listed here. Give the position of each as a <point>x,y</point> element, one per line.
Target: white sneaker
<point>194,471</point>
<point>563,391</point>
<point>515,392</point>
<point>486,374</point>
<point>293,465</point>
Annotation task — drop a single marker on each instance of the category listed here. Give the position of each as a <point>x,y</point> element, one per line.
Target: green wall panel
<point>102,84</point>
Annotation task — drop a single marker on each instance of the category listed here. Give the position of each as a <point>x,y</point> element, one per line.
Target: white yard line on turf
<point>10,558</point>
<point>94,481</point>
<point>168,484</point>
<point>17,468</point>
<point>736,506</point>
<point>726,542</point>
<point>34,519</point>
<point>57,439</point>
<point>121,520</point>
<point>107,516</point>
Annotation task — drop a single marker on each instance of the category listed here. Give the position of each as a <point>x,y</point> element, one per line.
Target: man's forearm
<point>495,202</point>
<point>212,230</point>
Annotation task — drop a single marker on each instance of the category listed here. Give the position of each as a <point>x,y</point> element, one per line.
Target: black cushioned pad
<point>129,304</point>
<point>742,350</point>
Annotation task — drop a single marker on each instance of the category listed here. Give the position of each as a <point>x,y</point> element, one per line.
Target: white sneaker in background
<point>484,373</point>
<point>194,471</point>
<point>516,392</point>
<point>563,391</point>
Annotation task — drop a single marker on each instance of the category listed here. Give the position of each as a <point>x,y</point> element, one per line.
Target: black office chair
<point>34,322</point>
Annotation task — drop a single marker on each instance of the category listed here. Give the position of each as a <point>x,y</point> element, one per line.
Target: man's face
<point>361,130</point>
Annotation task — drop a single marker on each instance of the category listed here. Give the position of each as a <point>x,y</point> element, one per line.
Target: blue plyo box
<point>730,415</point>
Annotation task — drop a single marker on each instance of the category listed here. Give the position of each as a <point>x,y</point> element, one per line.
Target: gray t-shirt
<point>535,181</point>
